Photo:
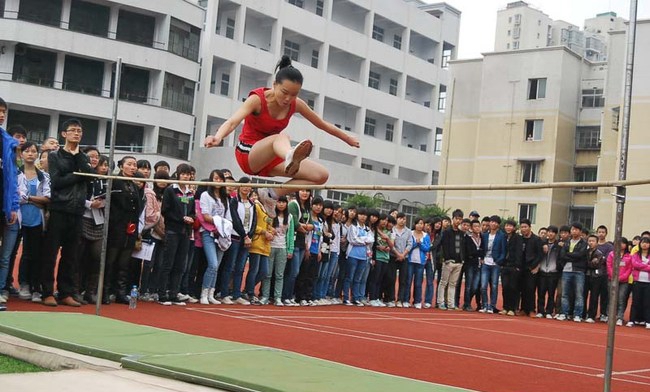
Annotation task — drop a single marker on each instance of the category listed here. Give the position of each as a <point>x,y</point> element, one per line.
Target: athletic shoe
<point>3,300</point>
<point>241,301</point>
<point>560,317</point>
<point>382,304</point>
<point>287,302</point>
<point>178,303</point>
<point>263,301</point>
<point>278,302</point>
<point>490,311</point>
<point>303,303</point>
<point>182,297</point>
<point>406,305</point>
<point>268,198</point>
<point>647,325</point>
<point>549,316</point>
<point>192,300</point>
<point>442,306</point>
<point>427,305</point>
<point>347,303</point>
<point>227,300</point>
<point>503,312</point>
<point>539,315</point>
<point>24,292</point>
<point>510,313</point>
<point>365,302</point>
<point>577,319</point>
<point>165,302</point>
<point>629,324</point>
<point>13,292</point>
<point>417,306</point>
<point>297,154</point>
<point>619,322</point>
<point>398,304</point>
<point>482,310</point>
<point>294,303</point>
<point>603,318</point>
<point>359,303</point>
<point>374,303</point>
<point>37,297</point>
<point>390,304</point>
<point>589,320</point>
<point>312,303</point>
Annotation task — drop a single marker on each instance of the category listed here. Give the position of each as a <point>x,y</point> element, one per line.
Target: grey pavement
<point>74,372</point>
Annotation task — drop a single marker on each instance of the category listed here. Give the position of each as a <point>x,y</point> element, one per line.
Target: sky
<point>478,18</point>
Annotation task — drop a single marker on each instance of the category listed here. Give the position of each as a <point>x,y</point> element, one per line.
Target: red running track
<point>471,350</point>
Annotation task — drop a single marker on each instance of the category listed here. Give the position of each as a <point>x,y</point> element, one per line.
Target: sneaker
<point>603,318</point>
<point>192,300</point>
<point>347,303</point>
<point>577,319</point>
<point>287,302</point>
<point>182,297</point>
<point>24,292</point>
<point>503,312</point>
<point>619,322</point>
<point>427,305</point>
<point>629,324</point>
<point>539,315</point>
<point>165,302</point>
<point>268,198</point>
<point>647,325</point>
<point>490,311</point>
<point>365,302</point>
<point>359,303</point>
<point>549,316</point>
<point>560,317</point>
<point>227,300</point>
<point>294,303</point>
<point>297,154</point>
<point>589,320</point>
<point>390,304</point>
<point>374,303</point>
<point>242,301</point>
<point>278,302</point>
<point>406,305</point>
<point>313,303</point>
<point>3,300</point>
<point>37,297</point>
<point>178,303</point>
<point>510,313</point>
<point>13,292</point>
<point>382,304</point>
<point>442,307</point>
<point>304,303</point>
<point>398,304</point>
<point>417,306</point>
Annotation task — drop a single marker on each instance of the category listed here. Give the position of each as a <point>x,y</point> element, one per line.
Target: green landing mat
<point>212,362</point>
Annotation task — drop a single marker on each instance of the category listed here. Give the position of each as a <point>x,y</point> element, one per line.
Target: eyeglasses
<point>75,130</point>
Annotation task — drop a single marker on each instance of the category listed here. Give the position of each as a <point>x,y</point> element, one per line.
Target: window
<point>34,66</point>
<point>230,28</point>
<point>515,45</point>
<point>366,166</point>
<point>584,215</point>
<point>423,147</point>
<point>311,103</point>
<point>41,11</point>
<point>392,89</point>
<point>442,98</point>
<point>184,39</point>
<point>135,28</point>
<point>509,33</point>
<point>89,18</point>
<point>446,56</point>
<point>390,130</point>
<point>83,75</point>
<point>593,98</point>
<point>534,130</point>
<point>586,174</point>
<point>225,84</point>
<point>437,146</point>
<point>173,144</point>
<point>314,58</point>
<point>297,3</point>
<point>510,19</point>
<point>373,80</point>
<point>134,86</point>
<point>385,171</point>
<point>397,41</point>
<point>369,128</point>
<point>377,33</point>
<point>528,211</point>
<point>319,7</point>
<point>128,137</point>
<point>178,93</point>
<point>516,32</point>
<point>530,171</point>
<point>537,88</point>
<point>291,49</point>
<point>588,138</point>
<point>616,113</point>
<point>36,124</point>
<point>435,177</point>
<point>517,18</point>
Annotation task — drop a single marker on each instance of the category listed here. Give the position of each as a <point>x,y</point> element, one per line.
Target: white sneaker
<point>406,305</point>
<point>227,300</point>
<point>390,304</point>
<point>490,311</point>
<point>482,310</point>
<point>182,297</point>
<point>399,304</point>
<point>214,301</point>
<point>313,303</point>
<point>264,301</point>
<point>297,154</point>
<point>382,304</point>
<point>539,315</point>
<point>589,320</point>
<point>548,316</point>
<point>619,322</point>
<point>347,303</point>
<point>24,293</point>
<point>629,324</point>
<point>647,325</point>
<point>37,297</point>
<point>359,303</point>
<point>192,300</point>
<point>294,303</point>
<point>577,319</point>
<point>427,305</point>
<point>417,306</point>
<point>268,198</point>
<point>278,302</point>
<point>560,317</point>
<point>3,300</point>
<point>242,301</point>
<point>303,303</point>
<point>365,302</point>
<point>287,302</point>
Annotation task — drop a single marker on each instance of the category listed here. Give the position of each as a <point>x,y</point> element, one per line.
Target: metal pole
<point>448,132</point>
<point>109,186</point>
<point>620,196</point>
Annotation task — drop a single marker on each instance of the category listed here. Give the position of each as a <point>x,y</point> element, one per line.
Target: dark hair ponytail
<point>285,71</point>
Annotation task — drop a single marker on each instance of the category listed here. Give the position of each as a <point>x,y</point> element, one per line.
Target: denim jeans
<point>489,276</point>
<point>353,275</point>
<point>258,268</point>
<point>291,273</point>
<point>213,257</point>
<point>624,290</point>
<point>334,273</point>
<point>340,278</point>
<point>9,236</point>
<point>573,283</point>
<point>472,280</point>
<point>429,271</point>
<point>327,266</point>
<point>415,275</point>
<point>363,285</point>
<point>235,263</point>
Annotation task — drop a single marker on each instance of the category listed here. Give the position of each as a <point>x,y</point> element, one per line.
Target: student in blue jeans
<point>494,248</point>
<point>359,238</point>
<point>417,260</point>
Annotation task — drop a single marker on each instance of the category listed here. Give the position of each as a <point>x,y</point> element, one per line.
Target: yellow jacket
<point>261,245</point>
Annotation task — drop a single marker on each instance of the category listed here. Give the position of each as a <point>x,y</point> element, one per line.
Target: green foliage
<point>361,200</point>
<point>433,211</point>
<point>12,365</point>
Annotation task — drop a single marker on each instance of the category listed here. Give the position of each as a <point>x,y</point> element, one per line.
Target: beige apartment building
<point>547,115</point>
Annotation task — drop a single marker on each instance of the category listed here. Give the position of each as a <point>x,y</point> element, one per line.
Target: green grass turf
<point>12,365</point>
<point>213,362</point>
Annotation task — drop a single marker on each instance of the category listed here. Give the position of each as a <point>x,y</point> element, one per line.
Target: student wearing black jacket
<point>474,253</point>
<point>511,269</point>
<point>573,264</point>
<point>66,210</point>
<point>178,210</point>
<point>532,256</point>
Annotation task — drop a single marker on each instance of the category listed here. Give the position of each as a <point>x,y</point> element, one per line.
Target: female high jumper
<point>263,149</point>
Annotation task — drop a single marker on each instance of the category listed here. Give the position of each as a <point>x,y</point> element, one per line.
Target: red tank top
<point>258,126</point>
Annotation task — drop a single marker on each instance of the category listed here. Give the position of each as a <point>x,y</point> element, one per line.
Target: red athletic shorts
<point>241,154</point>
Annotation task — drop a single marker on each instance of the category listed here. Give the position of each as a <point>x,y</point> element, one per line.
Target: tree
<point>361,200</point>
<point>433,211</point>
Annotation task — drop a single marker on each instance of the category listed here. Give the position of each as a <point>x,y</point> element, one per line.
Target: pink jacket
<point>625,268</point>
<point>638,265</point>
<point>198,240</point>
